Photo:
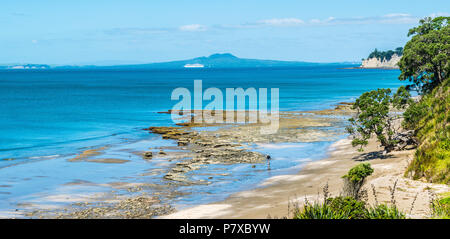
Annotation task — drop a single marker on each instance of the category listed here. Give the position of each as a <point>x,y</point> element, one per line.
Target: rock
<point>148,155</point>
<point>381,63</point>
<point>162,153</point>
<point>182,143</point>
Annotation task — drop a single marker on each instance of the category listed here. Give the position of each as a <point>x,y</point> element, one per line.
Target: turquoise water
<point>48,116</point>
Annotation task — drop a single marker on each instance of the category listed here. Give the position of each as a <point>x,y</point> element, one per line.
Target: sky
<point>107,32</point>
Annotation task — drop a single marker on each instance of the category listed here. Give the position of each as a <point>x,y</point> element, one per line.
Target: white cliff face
<point>377,63</point>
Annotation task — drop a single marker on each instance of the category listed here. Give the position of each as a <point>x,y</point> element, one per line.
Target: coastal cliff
<point>383,59</point>
<point>381,63</point>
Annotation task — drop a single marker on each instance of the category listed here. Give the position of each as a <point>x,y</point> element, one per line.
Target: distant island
<point>383,59</point>
<point>218,60</point>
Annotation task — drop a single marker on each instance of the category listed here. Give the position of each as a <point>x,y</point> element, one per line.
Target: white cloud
<point>392,18</point>
<point>34,41</point>
<point>398,18</point>
<point>282,22</point>
<point>391,15</point>
<point>193,28</point>
<point>325,21</point>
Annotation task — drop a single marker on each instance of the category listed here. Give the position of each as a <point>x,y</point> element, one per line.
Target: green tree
<point>354,180</point>
<point>399,51</point>
<point>373,117</point>
<point>425,60</point>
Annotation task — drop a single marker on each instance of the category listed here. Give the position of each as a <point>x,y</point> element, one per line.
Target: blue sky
<point>133,31</point>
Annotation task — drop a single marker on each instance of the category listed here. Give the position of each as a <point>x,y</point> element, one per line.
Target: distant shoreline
<point>379,68</point>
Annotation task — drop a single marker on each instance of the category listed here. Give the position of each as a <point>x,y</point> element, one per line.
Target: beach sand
<point>277,195</point>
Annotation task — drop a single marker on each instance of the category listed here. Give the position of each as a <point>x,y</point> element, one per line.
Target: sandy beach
<point>278,194</point>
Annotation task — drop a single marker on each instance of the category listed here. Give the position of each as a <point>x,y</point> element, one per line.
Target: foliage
<point>402,98</point>
<point>347,208</point>
<point>373,118</point>
<point>355,209</point>
<point>430,120</point>
<point>425,60</point>
<point>359,172</point>
<point>385,54</point>
<point>384,211</point>
<point>413,114</point>
<point>440,208</point>
<point>320,211</point>
<point>355,178</point>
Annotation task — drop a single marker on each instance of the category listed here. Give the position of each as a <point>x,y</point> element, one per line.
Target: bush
<point>350,207</point>
<point>384,211</point>
<point>441,208</point>
<point>359,172</point>
<point>354,209</point>
<point>347,208</point>
<point>355,178</point>
<point>413,115</point>
<point>430,120</point>
<point>320,211</point>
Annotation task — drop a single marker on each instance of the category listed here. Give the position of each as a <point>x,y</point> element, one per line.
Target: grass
<point>440,207</point>
<point>347,208</point>
<point>430,120</point>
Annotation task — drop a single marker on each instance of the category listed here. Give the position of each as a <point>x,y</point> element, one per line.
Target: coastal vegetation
<point>424,121</point>
<point>352,202</point>
<point>440,207</point>
<point>429,118</point>
<point>425,63</point>
<point>354,180</point>
<point>386,55</point>
<point>373,117</point>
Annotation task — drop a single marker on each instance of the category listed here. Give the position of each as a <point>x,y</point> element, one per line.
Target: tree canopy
<point>373,118</point>
<point>386,54</point>
<point>425,60</point>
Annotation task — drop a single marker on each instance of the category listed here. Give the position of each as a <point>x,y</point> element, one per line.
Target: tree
<point>385,55</point>
<point>373,117</point>
<point>354,180</point>
<point>399,51</point>
<point>425,60</point>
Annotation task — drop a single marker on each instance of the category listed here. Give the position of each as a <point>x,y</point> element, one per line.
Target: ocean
<point>48,116</point>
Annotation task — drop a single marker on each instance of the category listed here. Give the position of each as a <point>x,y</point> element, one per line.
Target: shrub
<point>347,208</point>
<point>440,208</point>
<point>320,211</point>
<point>354,208</point>
<point>355,178</point>
<point>430,120</point>
<point>384,211</point>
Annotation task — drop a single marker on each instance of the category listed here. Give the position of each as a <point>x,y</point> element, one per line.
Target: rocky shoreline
<point>199,146</point>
